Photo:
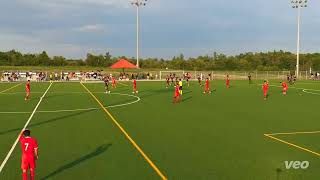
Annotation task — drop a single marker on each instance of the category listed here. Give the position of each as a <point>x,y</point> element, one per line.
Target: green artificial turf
<point>218,136</point>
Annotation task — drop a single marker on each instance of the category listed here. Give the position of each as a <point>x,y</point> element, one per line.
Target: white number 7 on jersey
<point>26,144</point>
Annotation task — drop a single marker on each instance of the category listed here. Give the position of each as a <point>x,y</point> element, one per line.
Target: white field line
<point>123,84</point>
<point>305,91</point>
<point>80,109</point>
<point>25,126</point>
<point>10,88</point>
<point>294,133</point>
<point>100,92</point>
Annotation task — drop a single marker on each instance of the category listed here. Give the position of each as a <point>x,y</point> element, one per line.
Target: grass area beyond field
<point>218,136</point>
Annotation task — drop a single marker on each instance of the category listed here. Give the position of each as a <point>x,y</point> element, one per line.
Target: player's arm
<point>36,152</point>
<point>21,136</point>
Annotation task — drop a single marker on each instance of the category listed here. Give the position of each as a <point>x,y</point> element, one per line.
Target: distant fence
<point>145,75</point>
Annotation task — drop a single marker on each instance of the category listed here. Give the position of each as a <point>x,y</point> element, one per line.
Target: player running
<point>265,89</point>
<point>176,97</point>
<point>134,86</point>
<point>228,81</point>
<point>27,91</point>
<point>106,85</point>
<point>114,83</point>
<point>29,147</point>
<point>249,78</point>
<point>199,80</point>
<point>187,79</point>
<point>207,87</point>
<point>284,88</point>
<point>168,82</point>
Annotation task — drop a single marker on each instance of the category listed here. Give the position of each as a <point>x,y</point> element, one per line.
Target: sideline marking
<point>10,88</point>
<point>25,126</point>
<point>80,109</point>
<point>155,168</point>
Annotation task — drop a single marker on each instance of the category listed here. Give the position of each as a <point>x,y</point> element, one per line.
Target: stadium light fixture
<point>138,4</point>
<point>298,4</point>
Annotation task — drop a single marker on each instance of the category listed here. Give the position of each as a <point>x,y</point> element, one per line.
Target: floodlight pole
<point>138,36</point>
<point>298,4</point>
<point>298,42</point>
<point>138,3</point>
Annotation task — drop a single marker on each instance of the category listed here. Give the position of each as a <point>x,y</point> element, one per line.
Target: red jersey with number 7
<point>28,146</point>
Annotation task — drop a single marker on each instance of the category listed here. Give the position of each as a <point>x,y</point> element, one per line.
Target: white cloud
<point>35,44</point>
<point>70,3</point>
<point>91,28</point>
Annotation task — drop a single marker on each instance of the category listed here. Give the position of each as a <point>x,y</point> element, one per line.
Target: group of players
<point>107,80</point>
<point>30,147</point>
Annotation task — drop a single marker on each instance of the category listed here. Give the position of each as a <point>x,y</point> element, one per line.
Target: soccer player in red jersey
<point>29,147</point>
<point>265,89</point>
<point>228,81</point>
<point>176,97</point>
<point>114,83</point>
<point>134,83</point>
<point>284,88</point>
<point>27,90</point>
<point>207,87</point>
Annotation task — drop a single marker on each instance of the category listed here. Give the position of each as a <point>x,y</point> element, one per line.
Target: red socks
<point>25,176</point>
<point>31,175</point>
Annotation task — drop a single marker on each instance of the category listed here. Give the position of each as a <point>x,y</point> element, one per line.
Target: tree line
<point>262,61</point>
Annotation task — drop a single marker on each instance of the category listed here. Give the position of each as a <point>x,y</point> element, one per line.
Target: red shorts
<point>265,93</point>
<point>28,162</point>
<point>177,95</point>
<point>28,91</point>
<point>206,88</point>
<point>285,89</point>
<point>134,87</point>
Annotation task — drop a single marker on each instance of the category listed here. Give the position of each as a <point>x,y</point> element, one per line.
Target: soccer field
<point>228,135</point>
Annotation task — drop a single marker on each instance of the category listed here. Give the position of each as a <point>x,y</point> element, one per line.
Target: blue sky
<point>73,28</point>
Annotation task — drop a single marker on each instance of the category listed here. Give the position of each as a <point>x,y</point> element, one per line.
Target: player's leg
<point>24,174</point>
<point>32,174</point>
<point>32,168</point>
<point>24,167</point>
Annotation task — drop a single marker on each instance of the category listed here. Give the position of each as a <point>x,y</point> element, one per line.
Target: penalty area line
<point>154,167</point>
<point>25,126</point>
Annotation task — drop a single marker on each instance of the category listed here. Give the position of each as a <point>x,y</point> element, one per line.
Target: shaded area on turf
<point>99,150</point>
<point>46,122</point>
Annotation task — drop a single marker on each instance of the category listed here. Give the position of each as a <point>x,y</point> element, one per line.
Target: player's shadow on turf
<point>98,151</point>
<point>46,122</point>
<point>186,99</point>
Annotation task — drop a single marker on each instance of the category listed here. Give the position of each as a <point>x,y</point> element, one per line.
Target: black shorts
<point>180,88</point>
